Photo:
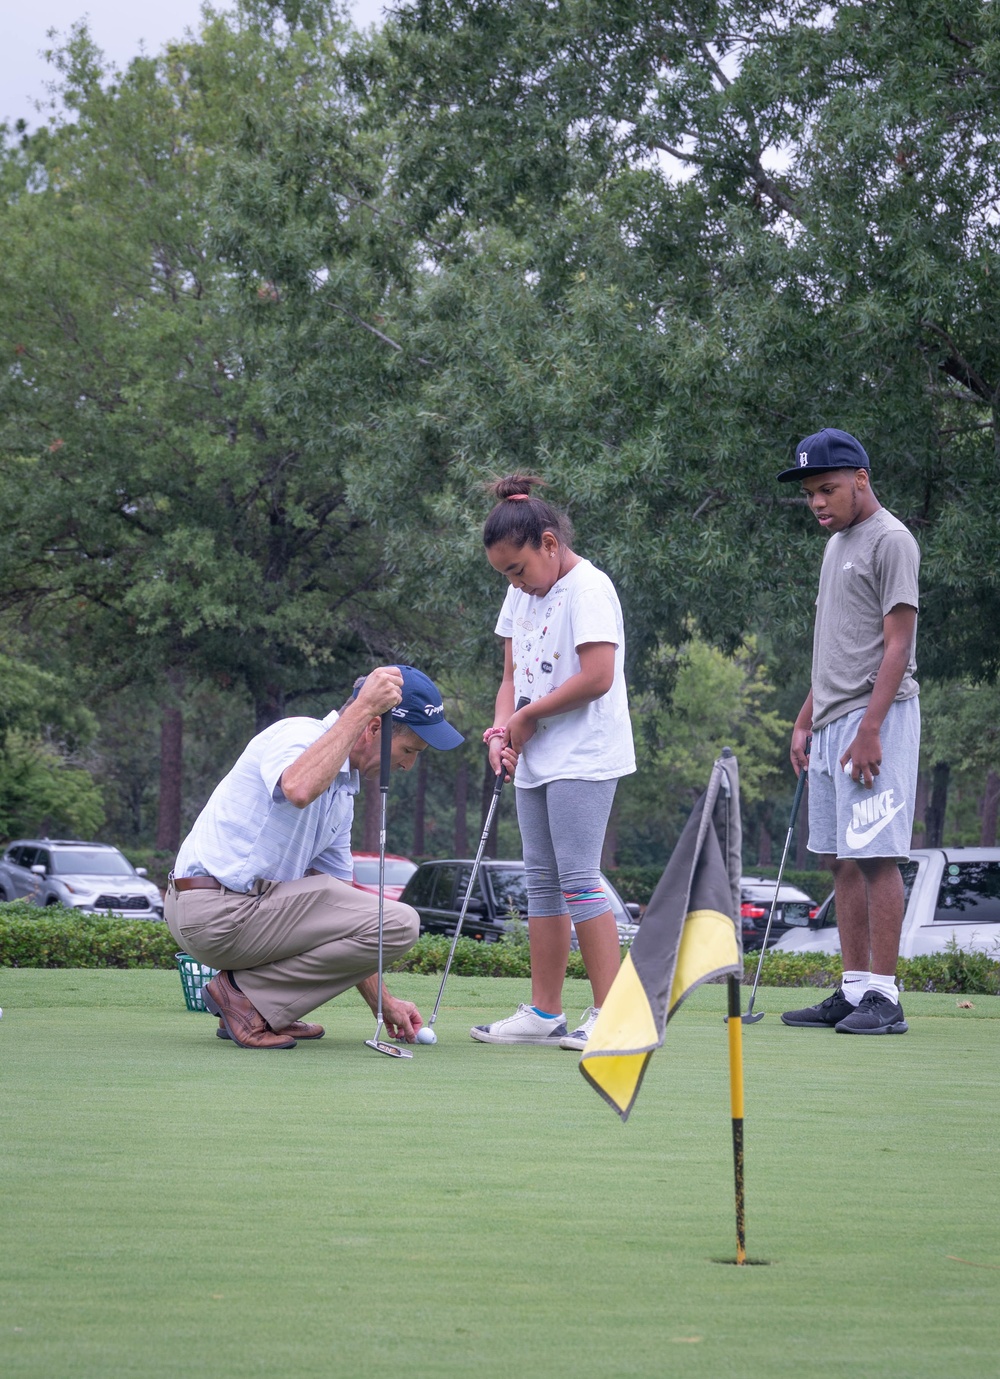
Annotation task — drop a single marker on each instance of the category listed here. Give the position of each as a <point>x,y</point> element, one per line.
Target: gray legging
<point>562,833</point>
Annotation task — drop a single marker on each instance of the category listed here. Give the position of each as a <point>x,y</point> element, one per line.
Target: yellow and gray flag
<point>690,932</point>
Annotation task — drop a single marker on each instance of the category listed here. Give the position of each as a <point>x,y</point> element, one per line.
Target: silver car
<point>94,878</point>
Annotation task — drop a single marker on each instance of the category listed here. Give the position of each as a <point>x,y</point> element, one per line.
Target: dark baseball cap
<point>422,709</point>
<point>827,449</point>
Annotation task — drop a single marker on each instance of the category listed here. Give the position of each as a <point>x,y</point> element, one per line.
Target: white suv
<point>92,877</point>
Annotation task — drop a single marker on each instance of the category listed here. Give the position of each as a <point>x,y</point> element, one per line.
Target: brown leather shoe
<point>298,1029</point>
<point>244,1023</point>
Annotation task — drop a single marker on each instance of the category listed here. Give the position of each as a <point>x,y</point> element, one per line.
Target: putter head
<point>752,1018</point>
<point>393,1050</point>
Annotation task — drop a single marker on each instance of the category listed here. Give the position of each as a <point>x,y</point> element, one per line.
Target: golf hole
<point>746,1262</point>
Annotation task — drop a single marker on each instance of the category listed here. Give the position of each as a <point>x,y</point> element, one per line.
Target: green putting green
<point>173,1205</point>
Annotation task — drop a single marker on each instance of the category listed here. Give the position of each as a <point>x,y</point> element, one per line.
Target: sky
<point>117,26</point>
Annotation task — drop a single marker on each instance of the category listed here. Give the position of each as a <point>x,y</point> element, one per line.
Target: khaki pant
<point>291,945</point>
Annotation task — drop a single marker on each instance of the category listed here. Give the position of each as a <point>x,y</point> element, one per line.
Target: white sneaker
<point>578,1039</point>
<point>524,1027</point>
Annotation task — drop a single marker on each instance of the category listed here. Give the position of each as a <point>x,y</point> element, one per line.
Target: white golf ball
<point>426,1036</point>
<point>847,768</point>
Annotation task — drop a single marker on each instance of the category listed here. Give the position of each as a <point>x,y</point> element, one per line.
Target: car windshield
<point>89,862</point>
<point>510,890</point>
<point>397,871</point>
<point>970,893</point>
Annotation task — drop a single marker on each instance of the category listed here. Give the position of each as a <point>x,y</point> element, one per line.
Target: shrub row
<point>951,971</point>
<point>57,937</point>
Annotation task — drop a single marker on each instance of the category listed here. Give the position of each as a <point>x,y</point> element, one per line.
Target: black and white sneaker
<point>824,1016</point>
<point>876,1014</point>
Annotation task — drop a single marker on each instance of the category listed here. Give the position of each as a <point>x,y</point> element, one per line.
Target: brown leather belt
<point>197,883</point>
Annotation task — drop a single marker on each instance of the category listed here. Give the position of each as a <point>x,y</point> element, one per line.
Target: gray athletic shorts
<point>846,819</point>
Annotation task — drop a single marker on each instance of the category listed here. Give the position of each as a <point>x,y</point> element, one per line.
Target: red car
<point>398,871</point>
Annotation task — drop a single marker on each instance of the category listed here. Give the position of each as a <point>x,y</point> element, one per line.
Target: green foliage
<point>41,792</point>
<point>165,499</point>
<point>34,701</point>
<point>635,884</point>
<point>509,957</point>
<point>656,346</point>
<point>57,937</point>
<point>954,970</point>
<point>716,701</point>
<point>276,302</point>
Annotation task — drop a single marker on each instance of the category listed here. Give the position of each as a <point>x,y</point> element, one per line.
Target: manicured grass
<point>173,1205</point>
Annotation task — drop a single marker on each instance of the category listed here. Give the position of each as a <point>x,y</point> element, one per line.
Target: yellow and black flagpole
<point>735,1027</point>
<point>736,1109</point>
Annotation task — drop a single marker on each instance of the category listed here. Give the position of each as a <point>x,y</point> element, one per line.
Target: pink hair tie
<point>518,497</point>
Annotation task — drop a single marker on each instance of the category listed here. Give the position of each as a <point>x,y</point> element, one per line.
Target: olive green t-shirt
<point>867,570</point>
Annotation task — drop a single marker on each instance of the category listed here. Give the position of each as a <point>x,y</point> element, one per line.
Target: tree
<point>43,732</point>
<point>717,701</point>
<point>155,492</point>
<point>656,343</point>
<point>959,757</point>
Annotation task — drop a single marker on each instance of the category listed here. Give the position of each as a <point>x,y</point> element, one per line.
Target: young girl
<point>564,652</point>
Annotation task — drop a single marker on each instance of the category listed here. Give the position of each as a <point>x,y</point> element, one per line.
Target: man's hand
<point>863,759</point>
<point>382,690</point>
<point>402,1018</point>
<point>799,755</point>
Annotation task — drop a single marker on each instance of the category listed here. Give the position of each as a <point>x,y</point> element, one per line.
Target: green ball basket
<point>194,976</point>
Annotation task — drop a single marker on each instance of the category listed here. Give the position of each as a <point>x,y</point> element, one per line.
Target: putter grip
<point>385,753</point>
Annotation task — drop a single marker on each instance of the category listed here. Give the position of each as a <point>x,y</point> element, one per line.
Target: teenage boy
<point>261,888</point>
<point>863,714</point>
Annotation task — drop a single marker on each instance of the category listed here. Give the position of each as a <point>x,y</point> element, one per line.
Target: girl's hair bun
<point>522,517</point>
<point>514,486</point>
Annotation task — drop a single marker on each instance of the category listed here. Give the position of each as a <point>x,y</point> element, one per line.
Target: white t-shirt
<point>590,743</point>
<point>248,831</point>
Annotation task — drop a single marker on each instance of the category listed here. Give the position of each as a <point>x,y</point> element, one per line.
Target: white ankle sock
<point>854,985</point>
<point>884,984</point>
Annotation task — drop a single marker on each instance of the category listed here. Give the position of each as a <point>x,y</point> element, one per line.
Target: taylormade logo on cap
<point>432,712</point>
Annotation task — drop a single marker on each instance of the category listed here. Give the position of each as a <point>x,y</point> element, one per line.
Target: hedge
<point>56,937</point>
<point>59,937</point>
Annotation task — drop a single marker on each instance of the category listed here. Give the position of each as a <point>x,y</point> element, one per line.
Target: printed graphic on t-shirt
<point>531,655</point>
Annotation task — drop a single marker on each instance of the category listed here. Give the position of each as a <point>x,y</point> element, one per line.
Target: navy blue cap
<point>827,449</point>
<point>422,709</point>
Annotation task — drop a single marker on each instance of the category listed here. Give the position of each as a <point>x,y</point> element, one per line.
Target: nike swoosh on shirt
<point>858,840</point>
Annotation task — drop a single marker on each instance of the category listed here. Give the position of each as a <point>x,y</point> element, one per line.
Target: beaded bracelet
<point>491,733</point>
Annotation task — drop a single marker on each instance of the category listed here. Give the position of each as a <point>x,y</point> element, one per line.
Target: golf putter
<point>750,1018</point>
<point>497,787</point>
<point>385,765</point>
